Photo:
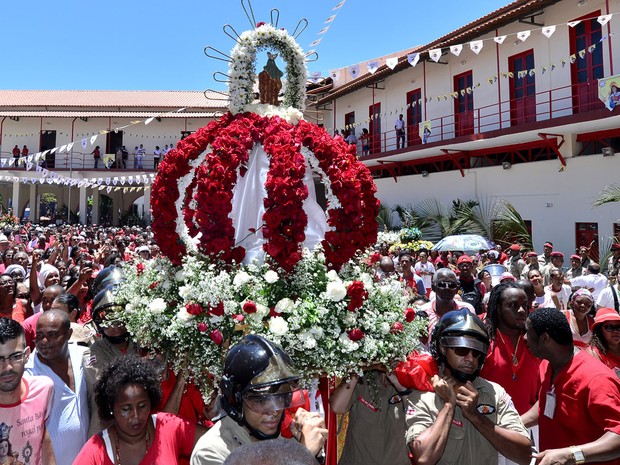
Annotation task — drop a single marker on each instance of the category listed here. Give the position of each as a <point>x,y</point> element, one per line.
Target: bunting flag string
<point>84,141</point>
<point>327,24</point>
<point>491,80</point>
<point>138,182</point>
<point>475,46</point>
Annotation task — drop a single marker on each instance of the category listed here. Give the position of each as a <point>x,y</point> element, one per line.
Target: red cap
<point>557,254</point>
<point>516,247</point>
<point>506,276</point>
<point>615,246</point>
<point>464,259</point>
<point>548,244</point>
<point>575,257</point>
<point>532,254</point>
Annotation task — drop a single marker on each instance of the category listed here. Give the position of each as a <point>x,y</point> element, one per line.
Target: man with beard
<point>25,401</point>
<point>466,419</point>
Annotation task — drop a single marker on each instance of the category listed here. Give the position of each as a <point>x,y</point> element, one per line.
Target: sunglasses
<point>610,328</point>
<point>465,351</point>
<point>447,285</point>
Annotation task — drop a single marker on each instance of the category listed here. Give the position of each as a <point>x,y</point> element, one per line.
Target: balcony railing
<point>520,113</point>
<point>77,161</point>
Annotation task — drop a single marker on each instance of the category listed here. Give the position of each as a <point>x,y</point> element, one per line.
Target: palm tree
<point>385,219</point>
<point>608,195</point>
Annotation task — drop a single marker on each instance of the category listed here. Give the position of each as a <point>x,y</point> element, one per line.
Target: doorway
<point>48,142</point>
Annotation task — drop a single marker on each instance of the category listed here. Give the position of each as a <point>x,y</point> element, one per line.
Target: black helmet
<point>256,370</point>
<point>109,276</point>
<point>460,328</point>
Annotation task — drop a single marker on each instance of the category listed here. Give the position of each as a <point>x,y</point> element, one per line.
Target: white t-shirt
<point>606,297</point>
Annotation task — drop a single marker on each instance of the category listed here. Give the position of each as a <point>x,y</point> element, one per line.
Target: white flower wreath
<point>242,72</point>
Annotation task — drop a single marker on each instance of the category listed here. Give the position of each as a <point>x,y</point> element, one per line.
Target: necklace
<point>513,355</point>
<point>118,441</point>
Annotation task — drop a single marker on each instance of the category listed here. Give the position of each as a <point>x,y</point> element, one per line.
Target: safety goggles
<point>266,403</point>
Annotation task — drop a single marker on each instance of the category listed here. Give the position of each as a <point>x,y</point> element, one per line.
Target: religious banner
<point>609,91</point>
<point>425,130</point>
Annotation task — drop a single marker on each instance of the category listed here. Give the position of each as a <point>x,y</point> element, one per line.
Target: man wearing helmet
<point>258,383</point>
<point>467,419</point>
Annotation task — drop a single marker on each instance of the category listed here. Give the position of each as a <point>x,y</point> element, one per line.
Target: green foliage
<point>610,194</point>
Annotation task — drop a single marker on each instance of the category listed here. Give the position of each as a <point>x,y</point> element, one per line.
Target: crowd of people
<point>523,366</point>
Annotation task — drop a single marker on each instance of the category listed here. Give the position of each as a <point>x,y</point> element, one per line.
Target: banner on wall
<point>609,91</point>
<point>425,129</point>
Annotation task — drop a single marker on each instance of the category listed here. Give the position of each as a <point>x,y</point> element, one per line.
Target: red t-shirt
<point>192,404</point>
<point>30,328</point>
<point>521,381</point>
<point>174,437</point>
<point>18,313</point>
<point>587,398</point>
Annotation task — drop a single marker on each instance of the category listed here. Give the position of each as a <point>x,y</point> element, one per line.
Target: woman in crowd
<point>126,394</point>
<point>581,304</point>
<point>542,297</point>
<point>605,341</point>
<point>10,306</point>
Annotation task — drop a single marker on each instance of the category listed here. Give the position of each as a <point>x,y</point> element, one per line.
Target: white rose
<point>166,285</point>
<point>350,318</point>
<point>385,328</point>
<point>262,311</point>
<point>385,289</point>
<point>278,326</point>
<point>333,276</point>
<point>309,343</point>
<point>336,291</point>
<point>129,308</point>
<point>271,276</point>
<point>241,279</point>
<point>317,331</point>
<point>367,280</point>
<point>184,316</point>
<point>284,305</point>
<point>179,276</point>
<point>185,292</point>
<point>158,305</point>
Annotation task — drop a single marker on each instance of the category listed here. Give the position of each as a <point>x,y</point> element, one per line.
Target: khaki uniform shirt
<point>465,444</point>
<point>219,442</point>
<point>376,433</point>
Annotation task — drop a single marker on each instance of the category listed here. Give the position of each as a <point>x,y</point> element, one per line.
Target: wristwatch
<point>578,456</point>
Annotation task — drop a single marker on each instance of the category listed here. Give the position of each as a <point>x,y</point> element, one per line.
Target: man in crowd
<point>60,361</point>
<point>578,408</point>
<point>609,297</point>
<point>575,269</point>
<point>531,264</point>
<point>545,257</point>
<point>467,419</point>
<point>594,281</point>
<point>472,289</point>
<point>412,281</point>
<point>25,401</point>
<point>515,263</point>
<point>613,263</point>
<point>425,269</point>
<point>258,383</point>
<point>399,127</point>
<point>555,263</point>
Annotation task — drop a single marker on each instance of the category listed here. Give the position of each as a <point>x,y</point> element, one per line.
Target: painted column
<point>95,206</point>
<point>83,206</point>
<point>34,205</point>
<point>147,205</point>
<point>15,199</point>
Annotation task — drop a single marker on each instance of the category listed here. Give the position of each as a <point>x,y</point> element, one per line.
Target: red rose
<point>194,308</point>
<point>355,334</point>
<point>249,307</point>
<point>375,257</point>
<point>262,23</point>
<point>202,327</point>
<point>238,318</point>
<point>409,314</point>
<point>357,294</point>
<point>397,327</point>
<point>154,285</point>
<point>218,310</point>
<point>216,336</point>
<point>140,268</point>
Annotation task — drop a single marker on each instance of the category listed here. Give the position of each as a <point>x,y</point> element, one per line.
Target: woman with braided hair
<point>509,362</point>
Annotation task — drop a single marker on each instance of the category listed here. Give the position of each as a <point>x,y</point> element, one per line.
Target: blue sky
<point>158,45</point>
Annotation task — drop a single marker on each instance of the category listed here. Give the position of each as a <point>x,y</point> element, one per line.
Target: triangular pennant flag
<point>29,166</point>
<point>605,37</point>
<point>69,147</point>
<point>99,180</point>
<point>84,142</point>
<point>54,150</point>
<point>130,179</point>
<point>108,189</point>
<point>500,39</point>
<point>3,162</point>
<point>572,58</point>
<point>335,74</point>
<point>372,66</point>
<point>323,31</point>
<point>523,35</point>
<point>93,139</point>
<point>62,149</point>
<point>315,76</point>
<point>148,120</point>
<point>354,71</point>
<point>435,54</point>
<point>115,181</point>
<point>33,180</point>
<point>316,42</point>
<point>574,23</point>
<point>476,46</point>
<point>604,19</point>
<point>117,189</point>
<point>548,31</point>
<point>330,19</point>
<point>49,180</point>
<point>532,72</point>
<point>12,161</point>
<point>6,178</point>
<point>38,168</point>
<point>591,48</point>
<point>42,180</point>
<point>123,180</point>
<point>456,49</point>
<point>337,7</point>
<point>44,154</point>
<point>391,62</point>
<point>108,180</point>
<point>582,53</point>
<point>413,59</point>
<point>101,188</point>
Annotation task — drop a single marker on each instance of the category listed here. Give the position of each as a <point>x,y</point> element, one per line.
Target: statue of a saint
<point>269,83</point>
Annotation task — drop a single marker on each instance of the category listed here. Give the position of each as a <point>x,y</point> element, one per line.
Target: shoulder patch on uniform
<point>486,409</point>
<point>91,361</point>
